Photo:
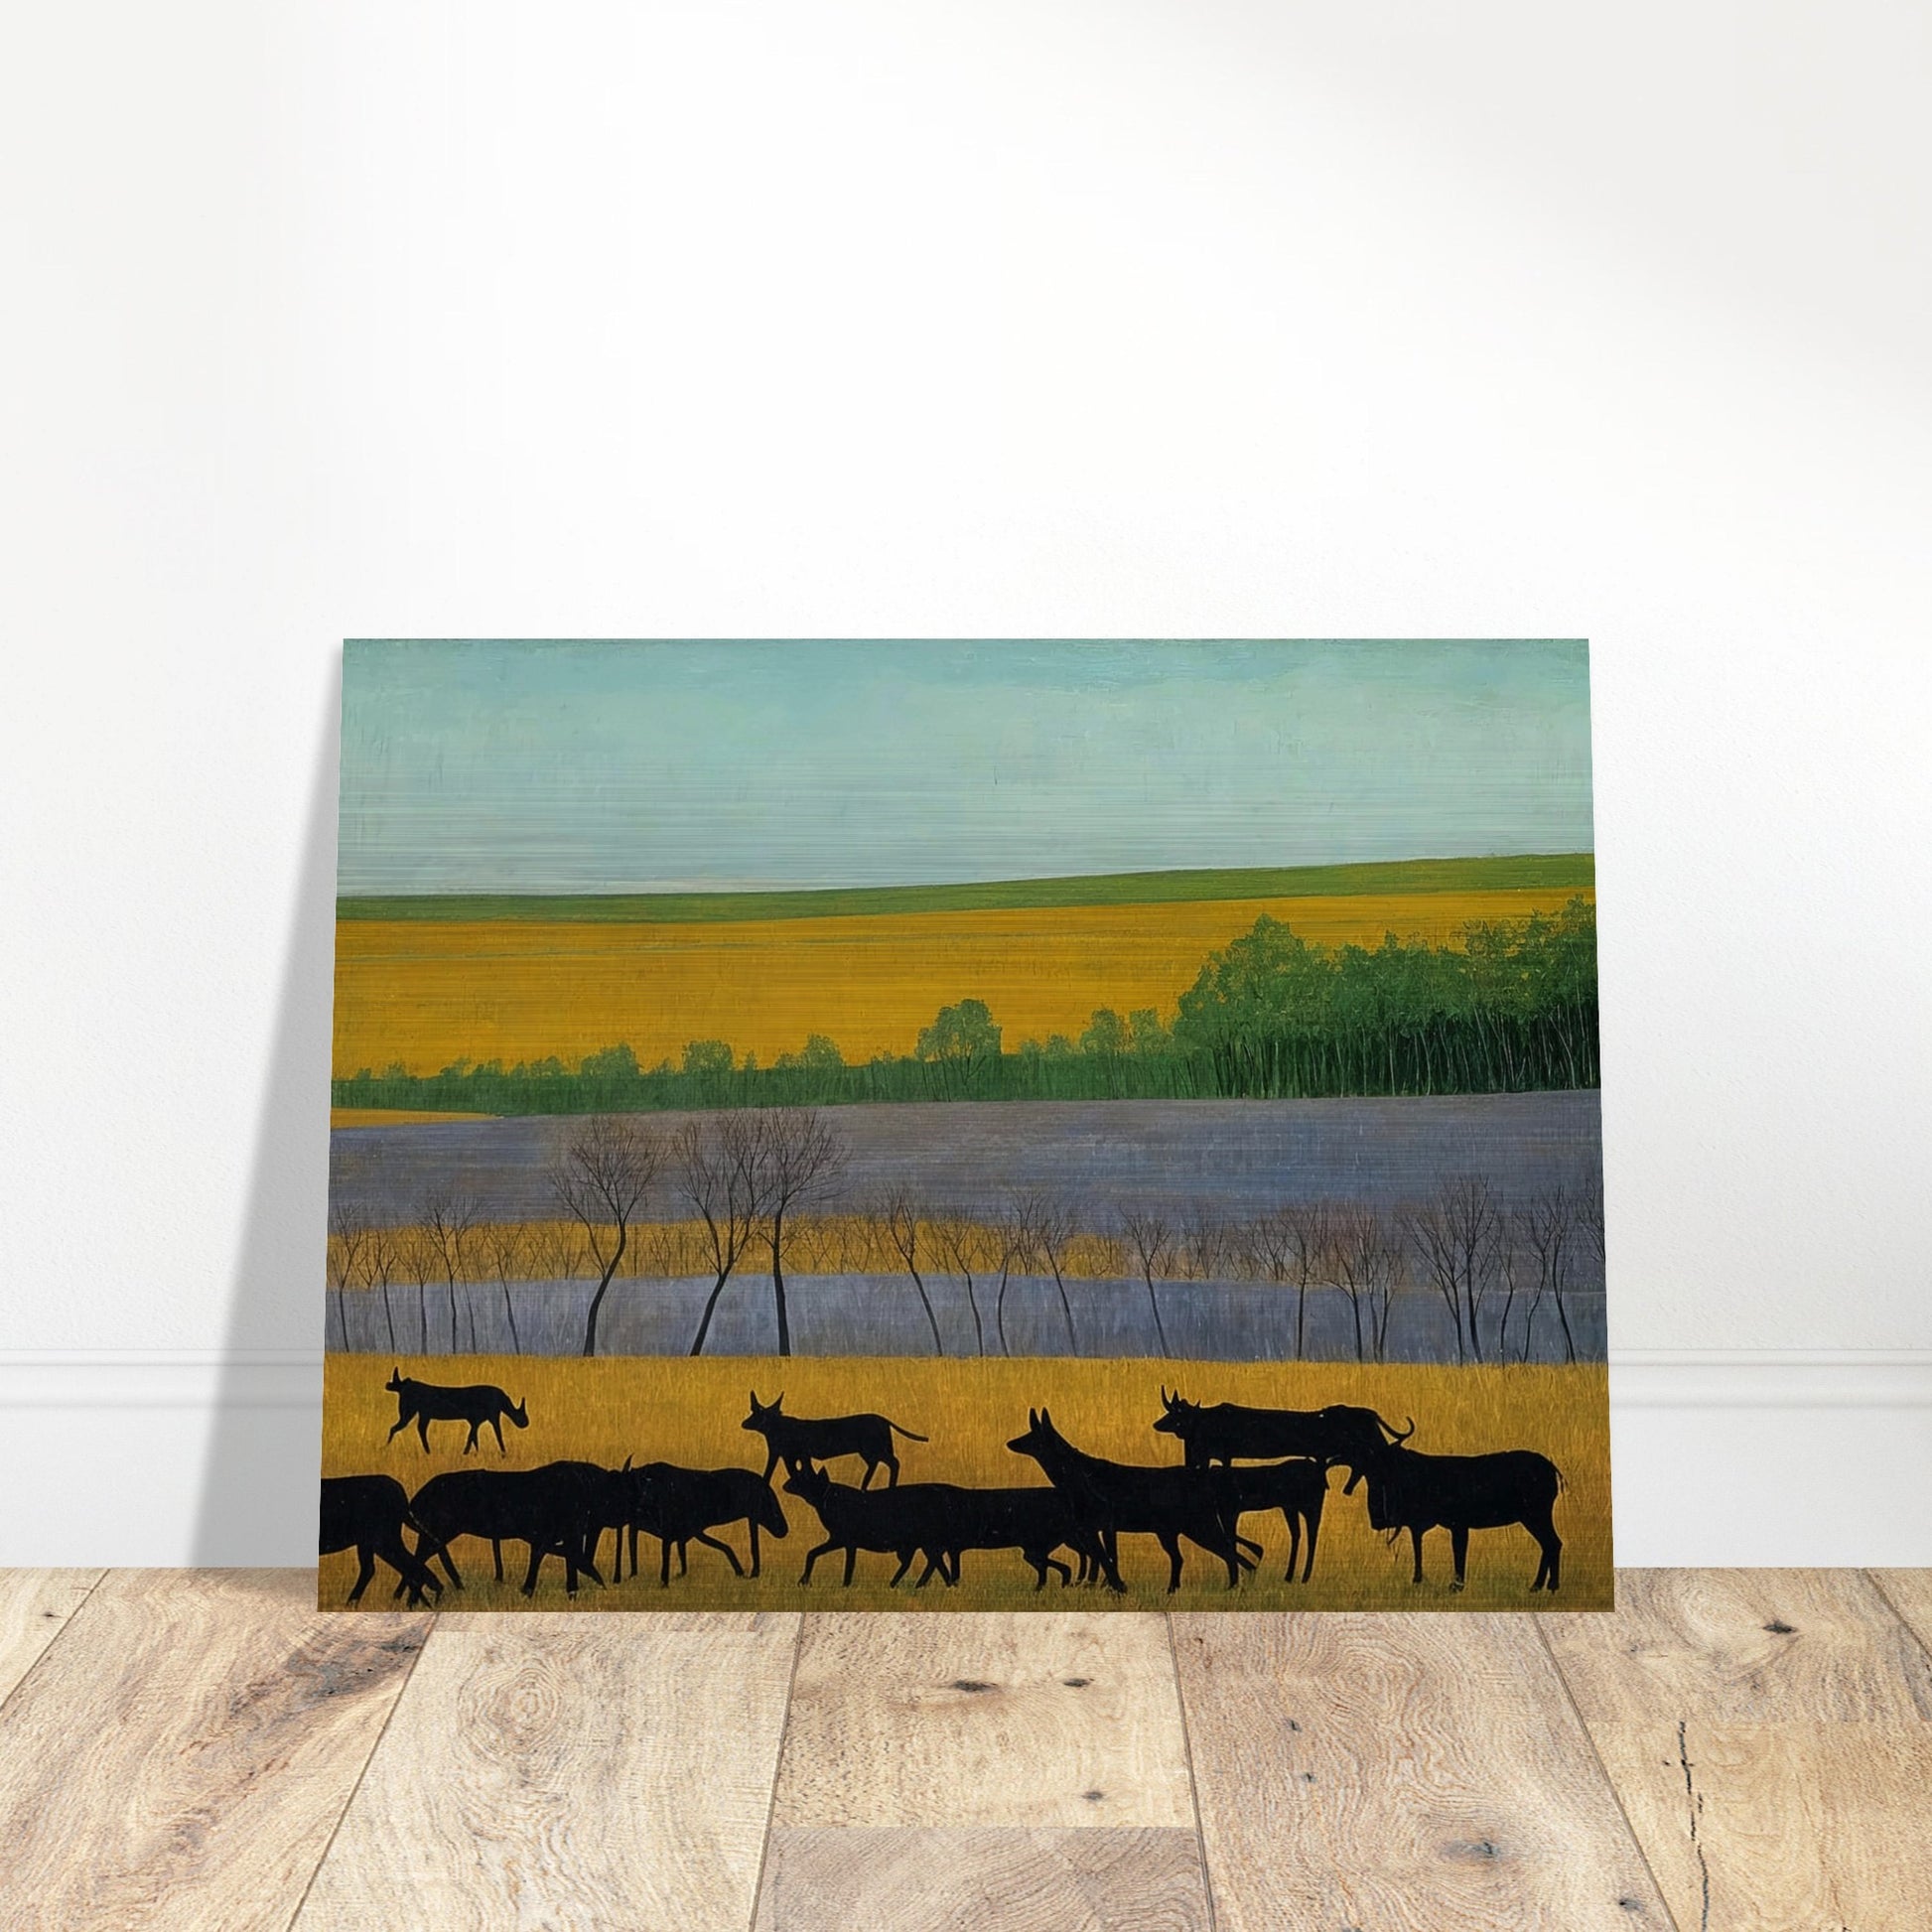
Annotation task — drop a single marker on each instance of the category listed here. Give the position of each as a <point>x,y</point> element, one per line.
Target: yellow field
<point>689,1412</point>
<point>427,992</point>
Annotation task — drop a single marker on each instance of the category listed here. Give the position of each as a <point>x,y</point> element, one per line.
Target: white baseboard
<point>1718,1457</point>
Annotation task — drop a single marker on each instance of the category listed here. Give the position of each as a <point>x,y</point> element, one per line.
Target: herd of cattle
<point>1235,1461</point>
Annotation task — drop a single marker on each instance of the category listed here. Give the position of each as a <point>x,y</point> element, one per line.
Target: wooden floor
<point>1731,1749</point>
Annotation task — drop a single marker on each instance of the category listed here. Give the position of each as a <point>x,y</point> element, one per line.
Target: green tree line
<point>1510,1008</point>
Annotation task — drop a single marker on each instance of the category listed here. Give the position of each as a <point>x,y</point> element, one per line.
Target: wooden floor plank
<point>1405,1774</point>
<point>35,1605</point>
<point>180,1758</point>
<point>1770,1827</point>
<point>1909,1592</point>
<point>970,1720</point>
<point>981,1878</point>
<point>603,1773</point>
<point>1744,1646</point>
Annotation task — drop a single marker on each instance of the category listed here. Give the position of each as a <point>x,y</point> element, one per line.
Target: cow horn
<point>627,1467</point>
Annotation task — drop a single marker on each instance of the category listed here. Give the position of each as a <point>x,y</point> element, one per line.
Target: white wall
<point>1179,317</point>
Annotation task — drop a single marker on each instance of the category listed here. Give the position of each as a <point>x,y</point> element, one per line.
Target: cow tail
<point>906,1432</point>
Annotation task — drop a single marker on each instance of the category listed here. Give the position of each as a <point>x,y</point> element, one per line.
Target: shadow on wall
<point>258,1495</point>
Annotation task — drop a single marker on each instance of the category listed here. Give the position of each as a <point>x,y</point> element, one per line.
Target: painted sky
<point>530,768</point>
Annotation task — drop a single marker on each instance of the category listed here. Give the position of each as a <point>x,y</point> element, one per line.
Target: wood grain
<point>1770,1827</point>
<point>588,1772</point>
<point>1744,1646</point>
<point>181,1756</point>
<point>959,1719</point>
<point>908,1879</point>
<point>35,1605</point>
<point>1909,1592</point>
<point>1410,1774</point>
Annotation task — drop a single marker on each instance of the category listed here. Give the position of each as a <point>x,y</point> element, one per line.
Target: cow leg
<point>422,1430</point>
<point>752,1523</point>
<point>536,1563</point>
<point>1294,1524</point>
<point>905,1564</point>
<point>403,1422</point>
<point>1315,1530</point>
<point>729,1555</point>
<point>851,1563</point>
<point>663,1562</point>
<point>1172,1544</point>
<point>1415,1536</point>
<point>865,1481</point>
<point>468,1448</point>
<point>1459,1550</point>
<point>364,1570</point>
<point>496,1422</point>
<point>496,1554</point>
<point>812,1556</point>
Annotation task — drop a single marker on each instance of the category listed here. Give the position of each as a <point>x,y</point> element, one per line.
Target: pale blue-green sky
<point>529,768</point>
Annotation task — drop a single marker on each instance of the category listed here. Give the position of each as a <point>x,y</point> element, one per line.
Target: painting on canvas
<point>965,1124</point>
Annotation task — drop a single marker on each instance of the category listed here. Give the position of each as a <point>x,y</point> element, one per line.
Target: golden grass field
<point>428,992</point>
<point>676,1410</point>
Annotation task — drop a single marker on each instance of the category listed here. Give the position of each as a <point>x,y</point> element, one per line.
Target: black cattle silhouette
<point>561,1510</point>
<point>426,1402</point>
<point>796,1440</point>
<point>1118,1499</point>
<point>1226,1431</point>
<point>368,1514</point>
<point>1297,1488</point>
<point>682,1506</point>
<point>1408,1491</point>
<point>902,1522</point>
<point>1034,1521</point>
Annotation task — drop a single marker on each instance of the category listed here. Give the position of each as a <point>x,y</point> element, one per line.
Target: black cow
<point>477,1405</point>
<point>1034,1521</point>
<point>1297,1488</point>
<point>368,1514</point>
<point>1408,1491</point>
<point>560,1510</point>
<point>800,1439</point>
<point>682,1506</point>
<point>1132,1498</point>
<point>899,1522</point>
<point>1227,1432</point>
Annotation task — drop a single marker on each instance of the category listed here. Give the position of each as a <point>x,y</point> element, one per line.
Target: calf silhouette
<point>1297,1488</point>
<point>561,1510</point>
<point>368,1514</point>
<point>426,1402</point>
<point>682,1506</point>
<point>1408,1491</point>
<point>899,1522</point>
<point>800,1439</point>
<point>1034,1521</point>
<point>1227,1432</point>
<point>1133,1498</point>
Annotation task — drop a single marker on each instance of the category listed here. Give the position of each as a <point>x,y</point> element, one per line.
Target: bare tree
<point>349,1233</point>
<point>1206,1243</point>
<point>900,1220</point>
<point>509,1247</point>
<point>420,1261</point>
<point>1458,1236</point>
<point>1291,1243</point>
<point>1586,1197</point>
<point>606,1164</point>
<point>380,1259</point>
<point>1013,1234</point>
<point>720,1172</point>
<point>450,1218</point>
<point>804,1160</point>
<point>1051,1229</point>
<point>967,1246</point>
<point>1367,1262</point>
<point>1548,1226</point>
<point>1151,1236</point>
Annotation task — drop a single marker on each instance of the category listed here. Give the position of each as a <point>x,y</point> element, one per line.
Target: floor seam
<point>1904,1622</point>
<point>1603,1770</point>
<point>54,1642</point>
<point>1193,1787</point>
<point>355,1789</point>
<point>777,1770</point>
